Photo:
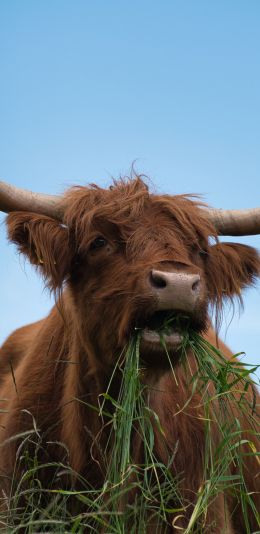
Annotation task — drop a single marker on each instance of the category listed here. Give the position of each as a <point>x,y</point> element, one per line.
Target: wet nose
<point>176,291</point>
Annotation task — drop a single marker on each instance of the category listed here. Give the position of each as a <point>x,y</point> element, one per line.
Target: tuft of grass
<point>138,488</point>
<point>135,493</point>
<point>230,381</point>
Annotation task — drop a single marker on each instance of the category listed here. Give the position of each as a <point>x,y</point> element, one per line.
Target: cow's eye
<point>99,242</point>
<point>203,253</point>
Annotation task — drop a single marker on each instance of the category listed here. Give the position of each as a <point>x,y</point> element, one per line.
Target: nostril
<point>195,285</point>
<point>157,281</point>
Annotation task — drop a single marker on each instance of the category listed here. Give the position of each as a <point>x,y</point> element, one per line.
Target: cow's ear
<point>230,268</point>
<point>45,242</point>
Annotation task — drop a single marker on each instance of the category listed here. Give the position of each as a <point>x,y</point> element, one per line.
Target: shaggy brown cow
<point>119,258</point>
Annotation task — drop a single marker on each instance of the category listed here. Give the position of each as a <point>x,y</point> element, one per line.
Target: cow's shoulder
<point>212,337</point>
<point>16,346</point>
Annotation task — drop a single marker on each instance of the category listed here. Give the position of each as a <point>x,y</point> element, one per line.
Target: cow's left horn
<point>15,199</point>
<point>235,222</point>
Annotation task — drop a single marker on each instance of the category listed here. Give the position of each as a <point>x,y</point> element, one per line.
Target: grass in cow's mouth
<point>138,487</point>
<point>164,321</point>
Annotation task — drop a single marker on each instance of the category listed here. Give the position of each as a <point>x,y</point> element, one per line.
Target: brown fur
<point>68,357</point>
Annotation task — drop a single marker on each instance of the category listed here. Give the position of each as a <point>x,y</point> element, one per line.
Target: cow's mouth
<point>162,328</point>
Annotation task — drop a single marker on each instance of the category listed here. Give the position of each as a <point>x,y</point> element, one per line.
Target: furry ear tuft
<point>231,267</point>
<point>45,242</point>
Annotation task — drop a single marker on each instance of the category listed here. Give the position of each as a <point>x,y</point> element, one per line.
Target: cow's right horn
<point>15,199</point>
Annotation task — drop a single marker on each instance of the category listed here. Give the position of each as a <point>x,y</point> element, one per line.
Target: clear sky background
<point>87,87</point>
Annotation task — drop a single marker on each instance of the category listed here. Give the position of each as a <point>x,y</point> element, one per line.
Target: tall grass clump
<point>230,381</point>
<point>135,493</point>
<point>138,489</point>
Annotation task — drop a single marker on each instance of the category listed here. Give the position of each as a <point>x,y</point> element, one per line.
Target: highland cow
<point>119,259</point>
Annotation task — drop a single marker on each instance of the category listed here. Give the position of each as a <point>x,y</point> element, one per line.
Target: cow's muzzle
<point>176,299</point>
<point>175,290</point>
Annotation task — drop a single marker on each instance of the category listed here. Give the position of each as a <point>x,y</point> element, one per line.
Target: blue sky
<point>89,87</point>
